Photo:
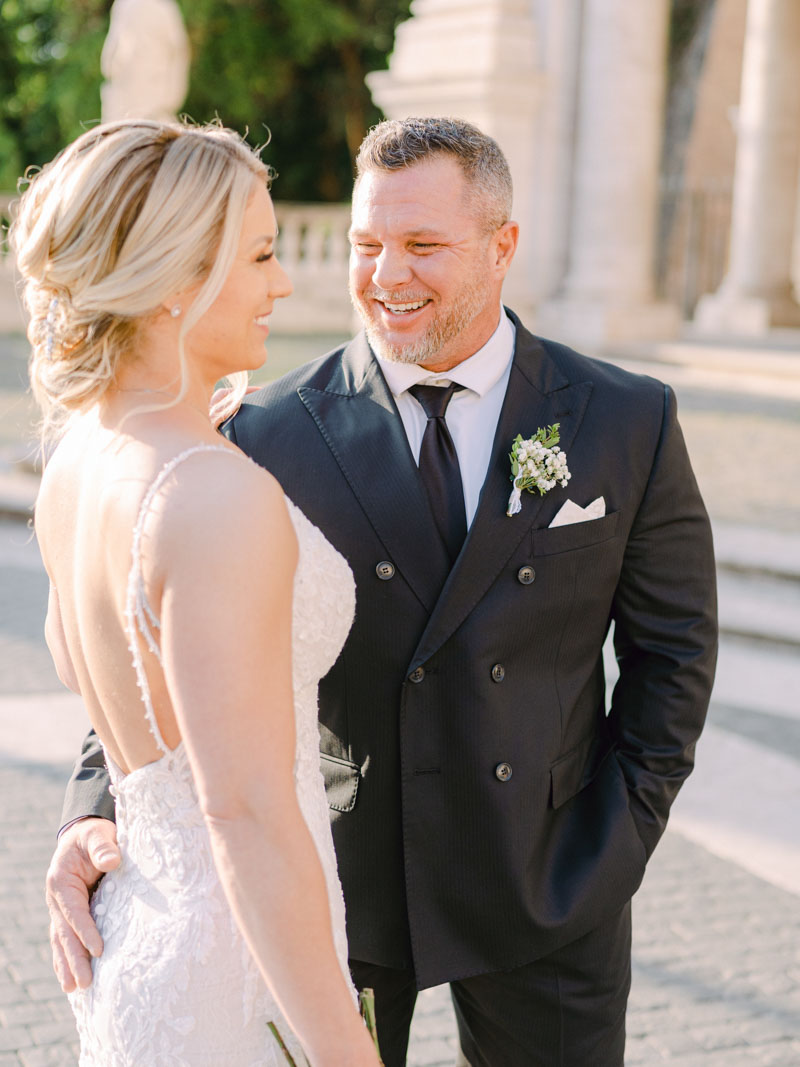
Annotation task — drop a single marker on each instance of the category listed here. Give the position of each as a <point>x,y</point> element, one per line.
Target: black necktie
<point>438,465</point>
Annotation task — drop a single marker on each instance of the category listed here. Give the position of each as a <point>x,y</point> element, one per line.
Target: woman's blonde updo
<point>128,214</point>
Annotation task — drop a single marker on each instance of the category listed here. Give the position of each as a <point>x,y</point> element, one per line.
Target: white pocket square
<point>570,512</point>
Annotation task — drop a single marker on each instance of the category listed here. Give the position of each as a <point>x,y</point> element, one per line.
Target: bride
<point>192,606</point>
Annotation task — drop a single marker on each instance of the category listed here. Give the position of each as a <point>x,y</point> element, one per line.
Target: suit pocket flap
<point>341,782</point>
<point>574,770</point>
<point>575,535</point>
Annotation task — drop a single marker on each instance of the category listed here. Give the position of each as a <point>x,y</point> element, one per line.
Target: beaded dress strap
<point>139,615</point>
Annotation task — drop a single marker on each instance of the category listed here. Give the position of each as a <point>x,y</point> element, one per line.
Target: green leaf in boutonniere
<point>536,463</point>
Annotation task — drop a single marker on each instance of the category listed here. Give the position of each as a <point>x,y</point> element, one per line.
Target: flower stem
<point>366,1000</point>
<point>289,1057</point>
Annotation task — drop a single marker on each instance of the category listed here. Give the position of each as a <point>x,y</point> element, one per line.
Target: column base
<point>593,324</point>
<point>730,313</point>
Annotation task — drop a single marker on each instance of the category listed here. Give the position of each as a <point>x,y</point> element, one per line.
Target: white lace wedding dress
<point>176,985</point>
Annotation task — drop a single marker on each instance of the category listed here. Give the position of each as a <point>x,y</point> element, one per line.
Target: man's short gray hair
<point>398,143</point>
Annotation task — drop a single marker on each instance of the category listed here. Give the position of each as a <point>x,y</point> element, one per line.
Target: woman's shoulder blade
<point>224,478</point>
<point>216,497</point>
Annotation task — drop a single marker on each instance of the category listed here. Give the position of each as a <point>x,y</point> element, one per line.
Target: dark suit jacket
<point>446,862</point>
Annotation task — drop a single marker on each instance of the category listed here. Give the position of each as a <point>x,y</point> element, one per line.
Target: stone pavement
<point>716,948</point>
<point>717,921</point>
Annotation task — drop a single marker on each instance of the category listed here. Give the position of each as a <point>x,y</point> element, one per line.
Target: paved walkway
<point>716,962</point>
<point>717,921</point>
<point>716,947</point>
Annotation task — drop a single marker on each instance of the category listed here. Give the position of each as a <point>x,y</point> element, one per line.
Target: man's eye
<point>367,250</point>
<point>421,246</point>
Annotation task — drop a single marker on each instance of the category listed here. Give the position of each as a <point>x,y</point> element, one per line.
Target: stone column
<point>608,292</point>
<point>756,293</point>
<point>550,184</point>
<point>475,60</point>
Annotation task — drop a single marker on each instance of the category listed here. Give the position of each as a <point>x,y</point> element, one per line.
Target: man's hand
<point>217,398</point>
<point>86,850</point>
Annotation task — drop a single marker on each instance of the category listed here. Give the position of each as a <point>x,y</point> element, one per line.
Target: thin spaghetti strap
<point>139,615</point>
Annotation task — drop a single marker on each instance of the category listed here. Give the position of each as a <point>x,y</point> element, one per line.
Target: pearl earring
<point>175,310</point>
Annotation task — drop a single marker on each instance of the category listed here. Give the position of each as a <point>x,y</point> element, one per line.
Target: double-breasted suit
<point>486,808</point>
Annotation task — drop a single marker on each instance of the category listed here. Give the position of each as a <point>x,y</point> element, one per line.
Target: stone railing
<point>313,249</point>
<point>11,318</point>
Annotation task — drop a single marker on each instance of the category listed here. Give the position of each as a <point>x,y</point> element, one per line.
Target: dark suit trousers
<point>564,1010</point>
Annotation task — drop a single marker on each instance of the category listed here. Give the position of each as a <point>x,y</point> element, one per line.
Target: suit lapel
<point>358,419</point>
<point>538,394</point>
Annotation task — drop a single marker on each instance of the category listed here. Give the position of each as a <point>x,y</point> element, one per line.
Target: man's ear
<point>504,245</point>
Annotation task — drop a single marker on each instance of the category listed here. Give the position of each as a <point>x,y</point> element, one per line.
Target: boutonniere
<point>536,463</point>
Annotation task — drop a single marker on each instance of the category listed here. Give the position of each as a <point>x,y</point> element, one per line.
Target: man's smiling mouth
<point>402,309</point>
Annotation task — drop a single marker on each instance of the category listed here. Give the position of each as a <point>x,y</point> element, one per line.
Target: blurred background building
<point>655,147</point>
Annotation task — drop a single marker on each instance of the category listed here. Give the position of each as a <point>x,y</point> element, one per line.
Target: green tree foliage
<point>49,77</point>
<point>293,67</point>
<point>296,68</point>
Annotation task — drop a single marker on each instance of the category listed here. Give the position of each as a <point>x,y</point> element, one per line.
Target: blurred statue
<point>145,61</point>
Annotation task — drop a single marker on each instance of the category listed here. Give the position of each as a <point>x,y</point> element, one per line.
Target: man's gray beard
<point>468,305</point>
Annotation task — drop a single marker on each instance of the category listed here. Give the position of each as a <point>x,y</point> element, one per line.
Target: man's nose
<point>391,270</point>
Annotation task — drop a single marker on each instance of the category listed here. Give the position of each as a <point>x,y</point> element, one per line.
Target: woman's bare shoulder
<point>59,490</point>
<point>222,475</point>
<point>219,498</point>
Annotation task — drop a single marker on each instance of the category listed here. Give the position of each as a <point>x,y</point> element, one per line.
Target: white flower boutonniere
<point>536,463</point>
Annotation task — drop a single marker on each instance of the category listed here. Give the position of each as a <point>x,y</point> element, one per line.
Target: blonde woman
<point>192,606</point>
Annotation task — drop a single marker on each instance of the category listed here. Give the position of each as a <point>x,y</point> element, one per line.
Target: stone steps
<point>758,573</point>
<point>18,491</point>
<point>768,367</point>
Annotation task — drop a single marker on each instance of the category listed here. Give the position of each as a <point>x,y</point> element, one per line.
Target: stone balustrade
<point>313,248</point>
<point>11,317</point>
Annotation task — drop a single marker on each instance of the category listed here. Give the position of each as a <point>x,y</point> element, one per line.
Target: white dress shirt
<point>473,411</point>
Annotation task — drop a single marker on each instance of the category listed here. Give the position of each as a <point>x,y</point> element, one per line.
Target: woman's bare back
<point>86,514</point>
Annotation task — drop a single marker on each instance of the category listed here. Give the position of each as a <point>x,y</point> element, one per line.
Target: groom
<point>491,820</point>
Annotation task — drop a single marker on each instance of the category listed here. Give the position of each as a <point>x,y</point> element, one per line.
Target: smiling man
<point>492,817</point>
<point>428,259</point>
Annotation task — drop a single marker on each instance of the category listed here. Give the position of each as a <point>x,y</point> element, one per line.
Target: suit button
<point>503,772</point>
<point>385,570</point>
<point>498,672</point>
<point>417,675</point>
<point>526,575</point>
